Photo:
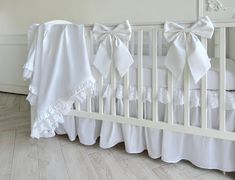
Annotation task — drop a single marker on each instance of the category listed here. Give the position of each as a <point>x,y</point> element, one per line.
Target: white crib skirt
<point>172,147</point>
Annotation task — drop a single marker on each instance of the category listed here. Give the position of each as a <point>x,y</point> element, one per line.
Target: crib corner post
<point>32,117</point>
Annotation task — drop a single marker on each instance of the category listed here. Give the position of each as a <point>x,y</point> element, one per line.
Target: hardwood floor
<point>23,158</point>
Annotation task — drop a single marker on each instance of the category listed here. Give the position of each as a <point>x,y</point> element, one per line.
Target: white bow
<point>112,47</point>
<point>185,45</point>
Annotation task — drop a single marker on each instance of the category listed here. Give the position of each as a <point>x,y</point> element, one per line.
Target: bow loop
<point>100,32</point>
<point>112,47</point>
<point>186,47</point>
<point>172,31</point>
<point>204,28</point>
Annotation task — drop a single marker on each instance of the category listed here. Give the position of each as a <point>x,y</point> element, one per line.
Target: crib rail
<point>154,122</point>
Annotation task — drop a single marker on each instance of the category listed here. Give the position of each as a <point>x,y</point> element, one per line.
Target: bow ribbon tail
<point>122,57</point>
<point>198,60</point>
<point>176,57</point>
<point>102,59</point>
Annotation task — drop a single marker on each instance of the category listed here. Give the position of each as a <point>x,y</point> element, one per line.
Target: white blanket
<point>59,73</point>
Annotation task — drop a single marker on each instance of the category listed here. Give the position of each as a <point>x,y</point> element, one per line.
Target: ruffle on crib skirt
<point>163,96</point>
<point>204,152</point>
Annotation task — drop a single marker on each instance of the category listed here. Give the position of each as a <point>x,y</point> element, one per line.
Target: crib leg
<point>32,116</point>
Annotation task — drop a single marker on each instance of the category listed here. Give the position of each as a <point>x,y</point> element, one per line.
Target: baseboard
<point>12,88</point>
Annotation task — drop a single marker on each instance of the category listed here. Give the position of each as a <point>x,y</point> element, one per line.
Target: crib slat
<point>170,103</point>
<point>101,108</point>
<point>154,78</point>
<point>113,87</point>
<point>186,96</point>
<point>126,90</point>
<point>133,43</point>
<point>77,106</point>
<point>222,77</point>
<point>91,51</point>
<point>140,73</point>
<point>160,42</point>
<point>88,103</point>
<point>200,8</point>
<point>204,94</point>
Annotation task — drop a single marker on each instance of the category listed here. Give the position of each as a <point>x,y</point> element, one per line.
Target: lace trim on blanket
<point>46,122</point>
<point>32,96</point>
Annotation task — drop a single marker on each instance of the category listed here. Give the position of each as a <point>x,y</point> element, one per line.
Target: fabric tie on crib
<point>112,47</point>
<point>186,46</point>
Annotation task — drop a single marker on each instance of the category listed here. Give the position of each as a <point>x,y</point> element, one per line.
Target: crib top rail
<point>160,25</point>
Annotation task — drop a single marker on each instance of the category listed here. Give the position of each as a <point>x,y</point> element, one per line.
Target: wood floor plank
<point>24,105</point>
<point>3,99</point>
<point>106,166</point>
<point>4,109</point>
<point>190,170</point>
<point>169,172</point>
<point>25,129</point>
<point>14,121</point>
<point>51,162</point>
<point>93,148</point>
<point>15,126</point>
<point>25,159</point>
<point>213,176</point>
<point>5,177</point>
<point>13,101</point>
<point>121,154</point>
<point>77,161</point>
<point>58,158</point>
<point>7,140</point>
<point>13,115</point>
<point>132,162</point>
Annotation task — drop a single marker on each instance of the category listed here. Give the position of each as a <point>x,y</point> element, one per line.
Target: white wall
<point>17,15</point>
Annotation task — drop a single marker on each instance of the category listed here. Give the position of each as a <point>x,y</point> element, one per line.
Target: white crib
<point>172,129</point>
<point>140,29</point>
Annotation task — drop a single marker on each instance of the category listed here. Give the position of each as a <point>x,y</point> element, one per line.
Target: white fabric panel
<point>57,58</point>
<point>204,152</point>
<point>171,147</point>
<point>213,75</point>
<point>112,48</point>
<point>186,48</point>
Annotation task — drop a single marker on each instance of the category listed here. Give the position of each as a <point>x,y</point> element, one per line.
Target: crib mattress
<point>212,82</point>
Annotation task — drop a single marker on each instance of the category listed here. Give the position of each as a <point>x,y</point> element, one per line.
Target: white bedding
<point>204,152</point>
<point>171,147</point>
<point>212,82</point>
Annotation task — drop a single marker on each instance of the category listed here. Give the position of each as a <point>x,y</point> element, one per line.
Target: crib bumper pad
<point>163,96</point>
